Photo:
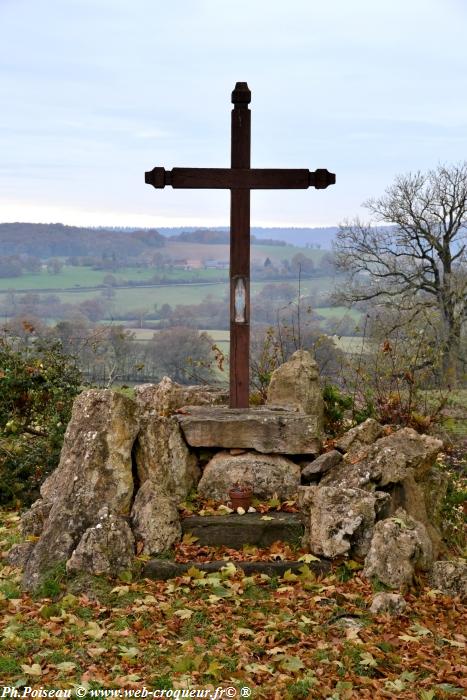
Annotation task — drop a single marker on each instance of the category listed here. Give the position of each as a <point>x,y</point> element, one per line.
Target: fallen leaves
<point>34,670</point>
<point>296,637</point>
<point>204,507</point>
<point>94,631</point>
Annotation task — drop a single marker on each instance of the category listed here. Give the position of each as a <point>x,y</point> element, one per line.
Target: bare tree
<point>418,258</point>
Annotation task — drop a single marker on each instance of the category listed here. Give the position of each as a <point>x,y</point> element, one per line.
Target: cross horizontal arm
<point>239,178</point>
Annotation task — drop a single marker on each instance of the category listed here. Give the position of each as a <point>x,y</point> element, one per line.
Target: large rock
<point>34,519</point>
<point>450,577</point>
<point>388,461</point>
<point>388,603</point>
<point>155,519</point>
<point>364,434</point>
<point>162,456</point>
<point>19,554</point>
<point>167,397</point>
<point>296,384</point>
<point>262,429</point>
<point>400,546</point>
<point>268,475</point>
<point>95,469</point>
<point>107,547</point>
<point>320,465</point>
<point>340,520</point>
<point>402,464</point>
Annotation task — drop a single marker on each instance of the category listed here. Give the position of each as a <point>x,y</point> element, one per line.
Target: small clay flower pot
<point>240,497</point>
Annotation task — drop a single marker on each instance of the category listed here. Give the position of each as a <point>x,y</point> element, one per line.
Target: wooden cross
<point>240,179</point>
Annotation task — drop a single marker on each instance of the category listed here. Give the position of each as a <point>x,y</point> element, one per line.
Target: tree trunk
<point>450,349</point>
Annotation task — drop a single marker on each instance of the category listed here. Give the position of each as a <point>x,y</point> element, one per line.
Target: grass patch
<point>10,590</point>
<point>51,584</point>
<point>9,665</point>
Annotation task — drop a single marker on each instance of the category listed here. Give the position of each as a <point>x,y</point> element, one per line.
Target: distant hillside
<point>221,236</point>
<point>57,240</point>
<point>313,237</point>
<point>52,240</point>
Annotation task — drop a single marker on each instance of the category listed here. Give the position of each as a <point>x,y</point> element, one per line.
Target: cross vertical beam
<point>240,179</point>
<point>240,252</point>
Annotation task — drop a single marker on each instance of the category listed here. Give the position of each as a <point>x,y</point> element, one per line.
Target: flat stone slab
<point>264,429</point>
<point>236,530</point>
<point>163,569</point>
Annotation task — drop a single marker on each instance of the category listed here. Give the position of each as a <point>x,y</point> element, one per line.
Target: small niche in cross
<point>240,179</point>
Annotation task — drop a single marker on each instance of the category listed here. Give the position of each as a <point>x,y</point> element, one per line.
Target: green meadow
<point>74,285</point>
<point>75,277</point>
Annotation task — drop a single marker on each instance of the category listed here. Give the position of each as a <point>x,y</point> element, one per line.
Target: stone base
<point>266,430</point>
<point>163,569</point>
<point>236,530</point>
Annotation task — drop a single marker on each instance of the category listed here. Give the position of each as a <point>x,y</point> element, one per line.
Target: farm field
<point>76,277</point>
<point>259,253</point>
<point>350,344</point>
<point>71,276</point>
<point>73,285</point>
<point>220,336</point>
<point>336,312</point>
<point>146,297</point>
<point>68,277</point>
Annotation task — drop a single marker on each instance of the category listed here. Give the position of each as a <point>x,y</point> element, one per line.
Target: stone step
<point>237,530</point>
<point>164,569</point>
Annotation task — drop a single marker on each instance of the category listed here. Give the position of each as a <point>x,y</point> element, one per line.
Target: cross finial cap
<point>241,94</point>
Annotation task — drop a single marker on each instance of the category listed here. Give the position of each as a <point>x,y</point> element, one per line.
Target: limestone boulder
<point>95,468</point>
<point>400,546</point>
<point>266,430</point>
<point>423,500</point>
<point>389,460</point>
<point>165,398</point>
<point>296,384</point>
<point>34,519</point>
<point>268,475</point>
<point>155,519</point>
<point>320,465</point>
<point>434,485</point>
<point>108,547</point>
<point>450,577</point>
<point>339,520</point>
<point>162,456</point>
<point>364,434</point>
<point>388,603</point>
<point>19,554</point>
<point>403,465</point>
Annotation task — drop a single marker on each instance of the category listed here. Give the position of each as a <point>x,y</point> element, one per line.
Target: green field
<point>259,253</point>
<point>131,298</point>
<point>336,312</point>
<point>76,277</point>
<point>145,298</point>
<point>71,276</point>
<point>71,283</point>
<point>350,344</point>
<point>67,277</point>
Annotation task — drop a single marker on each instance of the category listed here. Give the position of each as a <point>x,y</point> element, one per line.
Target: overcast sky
<point>95,92</point>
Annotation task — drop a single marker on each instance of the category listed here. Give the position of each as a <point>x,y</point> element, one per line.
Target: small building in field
<point>216,264</point>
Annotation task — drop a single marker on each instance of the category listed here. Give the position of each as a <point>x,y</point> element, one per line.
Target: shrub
<point>38,383</point>
<point>336,403</point>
